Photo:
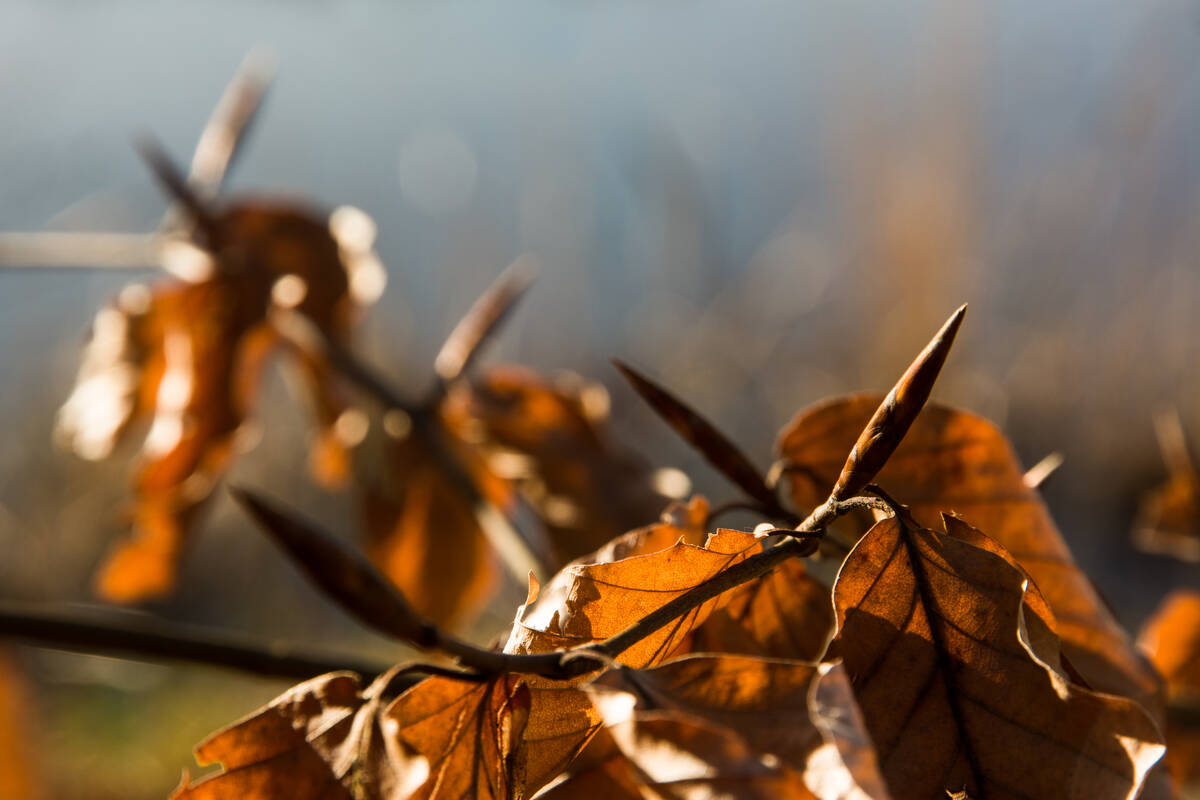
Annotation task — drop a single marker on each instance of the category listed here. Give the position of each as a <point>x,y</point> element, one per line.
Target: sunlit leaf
<point>953,461</point>
<point>471,735</point>
<point>1171,637</point>
<point>188,356</point>
<point>954,693</point>
<point>320,740</point>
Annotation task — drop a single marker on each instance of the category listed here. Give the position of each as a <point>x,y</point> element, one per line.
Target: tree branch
<point>156,640</point>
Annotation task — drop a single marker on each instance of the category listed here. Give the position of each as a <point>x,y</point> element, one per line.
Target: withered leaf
<point>762,701</point>
<point>188,357</point>
<point>471,734</point>
<point>953,693</point>
<point>1171,637</point>
<point>320,740</point>
<point>671,756</point>
<point>953,461</point>
<point>589,602</point>
<point>845,766</point>
<point>784,614</point>
<point>1168,519</point>
<point>546,438</point>
<point>425,536</point>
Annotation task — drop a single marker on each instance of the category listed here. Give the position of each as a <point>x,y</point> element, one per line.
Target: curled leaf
<point>589,602</point>
<point>320,740</point>
<point>763,701</point>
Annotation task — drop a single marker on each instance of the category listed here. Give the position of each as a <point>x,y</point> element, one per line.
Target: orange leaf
<point>763,701</point>
<point>189,357</point>
<point>425,536</point>
<point>784,614</point>
<point>320,740</point>
<point>952,461</point>
<point>1171,637</point>
<point>471,734</point>
<point>547,439</point>
<point>589,602</point>
<point>932,632</point>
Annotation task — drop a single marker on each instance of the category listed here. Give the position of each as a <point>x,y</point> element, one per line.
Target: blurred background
<point>759,204</point>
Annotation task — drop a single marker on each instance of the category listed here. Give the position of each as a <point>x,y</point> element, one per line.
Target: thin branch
<point>150,639</point>
<point>173,183</point>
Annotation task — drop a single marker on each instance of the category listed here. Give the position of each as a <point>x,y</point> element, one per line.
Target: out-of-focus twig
<point>151,639</point>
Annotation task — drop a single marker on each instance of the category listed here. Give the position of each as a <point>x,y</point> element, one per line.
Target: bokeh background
<point>761,204</point>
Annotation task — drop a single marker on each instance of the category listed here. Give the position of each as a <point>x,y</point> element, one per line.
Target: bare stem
<point>156,640</point>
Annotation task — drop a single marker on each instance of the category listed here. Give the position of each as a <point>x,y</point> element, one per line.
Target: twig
<point>156,640</point>
<point>806,538</point>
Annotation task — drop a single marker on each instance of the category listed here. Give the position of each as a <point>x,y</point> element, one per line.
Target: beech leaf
<point>953,461</point>
<point>932,632</point>
<point>320,740</point>
<point>471,735</point>
<point>1171,637</point>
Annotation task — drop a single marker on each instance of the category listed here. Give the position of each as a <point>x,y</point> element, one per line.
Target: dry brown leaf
<point>762,701</point>
<point>425,536</point>
<point>845,766</point>
<point>1171,637</point>
<point>784,614</point>
<point>546,438</point>
<point>589,602</point>
<point>188,357</point>
<point>932,632</point>
<point>953,461</point>
<point>1168,520</point>
<point>670,756</point>
<point>320,740</point>
<point>471,735</point>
